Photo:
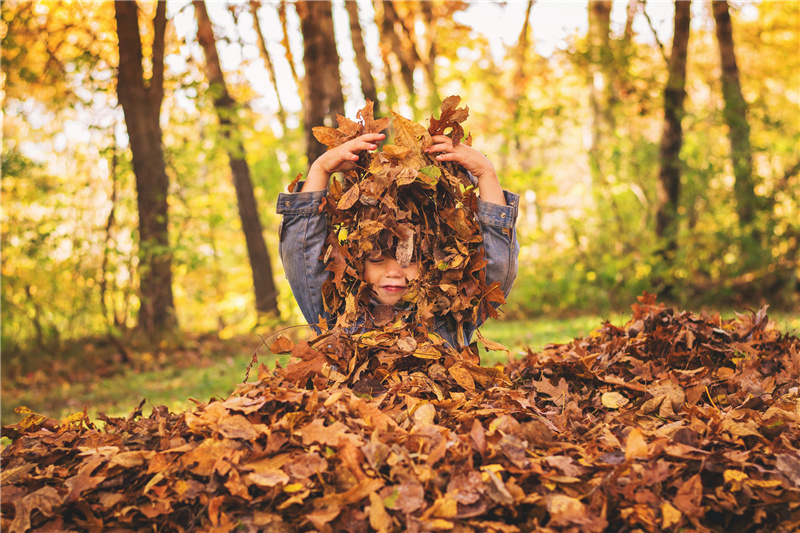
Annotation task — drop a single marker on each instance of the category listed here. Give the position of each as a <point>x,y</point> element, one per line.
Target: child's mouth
<point>393,288</point>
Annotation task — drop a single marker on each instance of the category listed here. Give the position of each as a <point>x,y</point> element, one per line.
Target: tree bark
<point>602,103</point>
<point>390,88</point>
<point>669,178</point>
<point>599,81</point>
<point>633,7</point>
<point>262,48</point>
<point>735,114</point>
<point>364,66</point>
<point>323,85</point>
<point>141,103</point>
<point>519,87</point>
<point>287,47</point>
<point>434,100</point>
<point>388,33</point>
<point>263,283</point>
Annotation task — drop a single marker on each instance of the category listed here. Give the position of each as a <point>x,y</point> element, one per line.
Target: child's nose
<point>393,268</point>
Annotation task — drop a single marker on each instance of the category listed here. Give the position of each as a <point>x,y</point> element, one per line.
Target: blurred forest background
<point>655,147</point>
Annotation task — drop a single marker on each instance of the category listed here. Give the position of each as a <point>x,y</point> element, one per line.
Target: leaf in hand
<point>370,124</point>
<point>330,137</point>
<point>416,138</point>
<point>451,117</point>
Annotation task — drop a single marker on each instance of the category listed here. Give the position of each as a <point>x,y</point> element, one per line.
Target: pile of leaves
<point>673,422</point>
<point>399,200</point>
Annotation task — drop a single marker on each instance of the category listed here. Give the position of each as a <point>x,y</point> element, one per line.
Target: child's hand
<point>474,162</point>
<point>339,159</point>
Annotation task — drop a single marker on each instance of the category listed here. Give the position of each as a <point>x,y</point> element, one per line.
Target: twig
<point>653,29</point>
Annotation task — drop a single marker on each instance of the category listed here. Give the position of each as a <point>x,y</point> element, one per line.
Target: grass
<point>204,367</point>
<point>207,368</point>
<point>517,335</point>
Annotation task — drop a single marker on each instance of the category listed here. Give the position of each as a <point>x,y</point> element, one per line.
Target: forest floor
<point>93,375</point>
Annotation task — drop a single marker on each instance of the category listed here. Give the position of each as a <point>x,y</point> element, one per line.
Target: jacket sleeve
<point>500,240</point>
<point>302,236</point>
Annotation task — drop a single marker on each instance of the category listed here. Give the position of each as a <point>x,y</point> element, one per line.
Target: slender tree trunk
<point>323,85</point>
<point>601,97</point>
<point>141,103</point>
<point>735,116</point>
<point>599,25</point>
<point>388,33</point>
<point>260,263</point>
<point>364,66</point>
<point>600,73</point>
<point>390,87</point>
<point>413,48</point>
<point>520,84</point>
<point>669,178</point>
<point>633,7</point>
<point>287,47</point>
<point>429,64</point>
<point>262,48</point>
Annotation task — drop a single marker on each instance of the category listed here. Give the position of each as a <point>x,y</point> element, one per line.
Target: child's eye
<point>376,260</point>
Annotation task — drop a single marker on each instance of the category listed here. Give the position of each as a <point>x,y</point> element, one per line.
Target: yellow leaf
<point>636,446</point>
<point>349,198</point>
<point>491,345</point>
<point>395,152</point>
<point>379,519</point>
<point>462,376</point>
<point>413,136</point>
<point>424,414</point>
<point>328,136</point>
<point>764,483</point>
<point>670,516</point>
<point>31,419</point>
<point>613,400</point>
<point>438,524</point>
<point>734,475</point>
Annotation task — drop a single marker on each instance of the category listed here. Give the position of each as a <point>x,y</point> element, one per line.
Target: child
<point>304,229</point>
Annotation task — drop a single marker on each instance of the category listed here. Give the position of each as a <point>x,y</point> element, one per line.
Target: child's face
<point>388,278</point>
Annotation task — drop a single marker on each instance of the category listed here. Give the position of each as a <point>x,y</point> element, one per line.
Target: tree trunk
<point>390,88</point>
<point>735,116</point>
<point>429,63</point>
<point>602,100</point>
<point>669,178</point>
<point>287,47</point>
<point>260,263</point>
<point>599,82</point>
<point>323,85</point>
<point>262,48</point>
<point>388,34</point>
<point>520,85</point>
<point>364,66</point>
<point>633,7</point>
<point>141,103</point>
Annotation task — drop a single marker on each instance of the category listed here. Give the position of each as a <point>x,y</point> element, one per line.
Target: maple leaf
<point>281,345</point>
<point>371,125</point>
<point>451,117</point>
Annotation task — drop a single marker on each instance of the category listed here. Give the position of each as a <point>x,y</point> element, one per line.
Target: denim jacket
<point>302,237</point>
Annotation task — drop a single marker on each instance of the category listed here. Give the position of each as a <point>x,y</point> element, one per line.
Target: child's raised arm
<point>339,159</point>
<point>474,162</point>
